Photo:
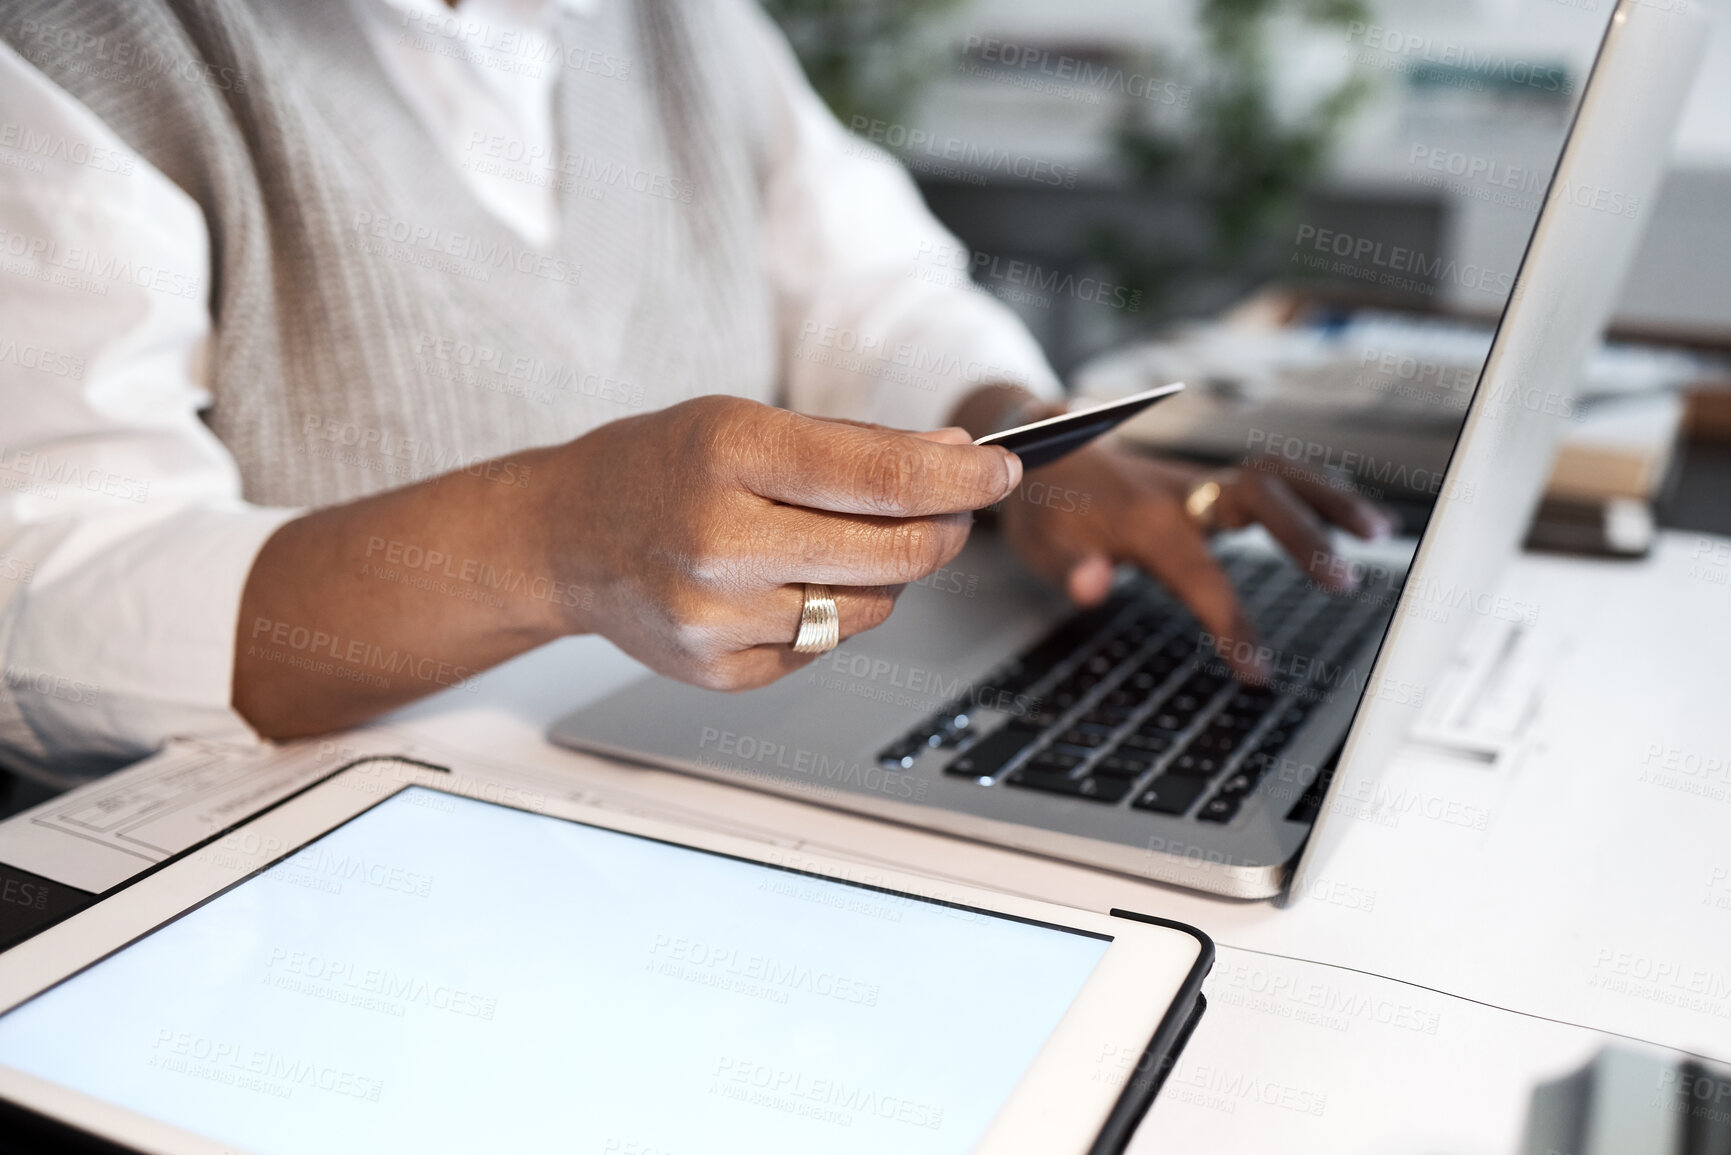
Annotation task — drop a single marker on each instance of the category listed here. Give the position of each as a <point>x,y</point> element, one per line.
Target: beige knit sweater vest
<point>374,323</point>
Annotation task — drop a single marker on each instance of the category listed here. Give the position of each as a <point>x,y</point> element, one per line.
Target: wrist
<point>548,542</point>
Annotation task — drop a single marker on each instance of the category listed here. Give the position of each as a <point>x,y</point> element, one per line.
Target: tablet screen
<point>443,974</point>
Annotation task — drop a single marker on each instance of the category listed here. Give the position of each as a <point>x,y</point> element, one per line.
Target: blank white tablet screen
<point>441,974</point>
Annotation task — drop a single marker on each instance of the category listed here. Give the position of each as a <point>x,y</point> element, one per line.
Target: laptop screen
<point>442,974</point>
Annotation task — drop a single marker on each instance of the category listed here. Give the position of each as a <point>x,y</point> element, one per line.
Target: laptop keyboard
<point>1123,705</point>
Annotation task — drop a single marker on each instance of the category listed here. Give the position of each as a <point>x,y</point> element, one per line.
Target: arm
<point>879,318</point>
<point>683,535</point>
<point>123,537</point>
<point>880,321</point>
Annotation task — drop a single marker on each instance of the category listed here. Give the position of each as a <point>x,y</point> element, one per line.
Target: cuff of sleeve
<point>910,366</point>
<point>971,342</point>
<point>133,644</point>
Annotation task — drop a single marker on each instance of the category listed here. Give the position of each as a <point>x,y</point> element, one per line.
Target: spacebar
<point>988,757</point>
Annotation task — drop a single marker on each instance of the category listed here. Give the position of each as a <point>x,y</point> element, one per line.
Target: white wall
<point>1704,138</point>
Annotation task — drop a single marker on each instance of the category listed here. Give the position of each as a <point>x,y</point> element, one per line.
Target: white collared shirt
<point>124,540</point>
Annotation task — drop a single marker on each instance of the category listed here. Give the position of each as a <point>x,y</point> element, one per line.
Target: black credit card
<point>1043,442</point>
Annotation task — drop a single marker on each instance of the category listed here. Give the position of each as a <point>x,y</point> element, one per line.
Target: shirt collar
<point>530,12</point>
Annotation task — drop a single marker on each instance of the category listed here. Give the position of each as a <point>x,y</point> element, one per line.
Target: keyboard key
<point>1055,761</point>
<point>1169,795</point>
<point>1137,631</point>
<point>1110,717</point>
<point>1240,784</point>
<point>987,757</point>
<point>1150,742</point>
<point>1251,700</point>
<point>954,716</point>
<point>1099,665</point>
<point>1234,722</point>
<point>1146,680</point>
<point>900,755</point>
<point>1044,780</point>
<point>954,737</point>
<point>1220,808</point>
<point>1068,692</point>
<point>1116,649</point>
<point>1077,736</point>
<point>1194,765</point>
<point>1095,789</point>
<point>1103,789</point>
<point>1215,742</point>
<point>1044,715</point>
<point>1118,766</point>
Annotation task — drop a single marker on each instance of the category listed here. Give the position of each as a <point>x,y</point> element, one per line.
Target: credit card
<point>1043,442</point>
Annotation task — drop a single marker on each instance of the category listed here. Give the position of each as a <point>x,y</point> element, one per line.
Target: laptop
<point>986,708</point>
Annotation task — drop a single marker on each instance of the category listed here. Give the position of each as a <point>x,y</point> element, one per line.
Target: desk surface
<point>1512,917</point>
<point>1487,926</point>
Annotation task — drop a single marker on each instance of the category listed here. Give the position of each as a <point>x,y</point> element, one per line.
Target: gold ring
<point>819,621</point>
<point>1199,503</point>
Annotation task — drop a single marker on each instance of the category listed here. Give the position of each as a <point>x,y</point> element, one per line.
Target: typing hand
<point>1074,520</point>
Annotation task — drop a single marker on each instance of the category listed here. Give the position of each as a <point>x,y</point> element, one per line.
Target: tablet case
<point>1163,1049</point>
<point>24,1132</point>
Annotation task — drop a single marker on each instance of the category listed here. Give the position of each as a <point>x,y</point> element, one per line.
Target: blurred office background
<point>1152,184</point>
<point>1191,134</point>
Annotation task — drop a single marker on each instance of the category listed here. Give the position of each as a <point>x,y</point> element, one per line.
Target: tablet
<point>400,959</point>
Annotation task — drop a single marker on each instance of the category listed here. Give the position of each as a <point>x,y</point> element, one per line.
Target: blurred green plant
<point>864,57</point>
<point>1240,151</point>
<point>1248,158</point>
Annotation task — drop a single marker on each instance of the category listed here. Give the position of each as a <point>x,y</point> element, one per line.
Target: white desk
<point>1578,881</point>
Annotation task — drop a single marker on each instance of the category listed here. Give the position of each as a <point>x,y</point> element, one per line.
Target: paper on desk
<point>1302,1058</point>
<point>99,835</point>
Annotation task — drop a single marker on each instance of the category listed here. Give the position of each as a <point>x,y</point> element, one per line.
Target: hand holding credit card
<point>1043,442</point>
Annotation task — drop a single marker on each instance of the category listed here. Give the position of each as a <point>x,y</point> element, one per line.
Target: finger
<point>758,666</point>
<point>1358,515</point>
<point>1295,525</point>
<point>949,435</point>
<point>1174,551</point>
<point>859,608</point>
<point>790,544</point>
<point>1081,570</point>
<point>1089,580</point>
<point>844,468</point>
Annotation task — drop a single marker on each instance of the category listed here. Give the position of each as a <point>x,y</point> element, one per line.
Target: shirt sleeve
<point>124,541</point>
<point>879,318</point>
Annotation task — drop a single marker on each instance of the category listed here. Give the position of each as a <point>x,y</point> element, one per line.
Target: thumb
<point>950,435</point>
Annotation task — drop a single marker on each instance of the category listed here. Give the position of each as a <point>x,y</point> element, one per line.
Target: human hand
<point>694,528</point>
<point>1072,521</point>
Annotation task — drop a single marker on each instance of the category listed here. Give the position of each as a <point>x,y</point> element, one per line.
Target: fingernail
<point>1015,471</point>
